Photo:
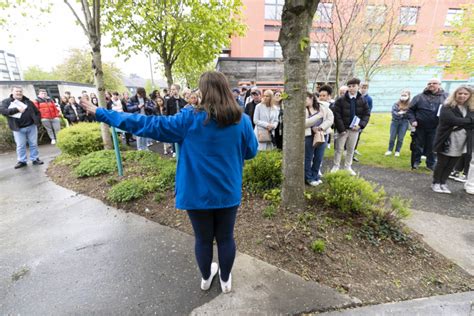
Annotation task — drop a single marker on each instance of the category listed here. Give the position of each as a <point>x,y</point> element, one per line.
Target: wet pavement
<point>64,253</point>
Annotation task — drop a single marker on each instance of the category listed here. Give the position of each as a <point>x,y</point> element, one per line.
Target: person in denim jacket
<point>399,125</point>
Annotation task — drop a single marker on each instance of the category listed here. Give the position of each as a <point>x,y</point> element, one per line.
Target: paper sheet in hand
<point>355,121</point>
<point>19,105</point>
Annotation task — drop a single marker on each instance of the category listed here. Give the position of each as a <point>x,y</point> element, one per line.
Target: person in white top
<point>265,119</point>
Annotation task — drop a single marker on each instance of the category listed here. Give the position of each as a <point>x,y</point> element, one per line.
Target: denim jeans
<point>313,158</point>
<point>398,129</point>
<point>26,134</point>
<point>141,143</point>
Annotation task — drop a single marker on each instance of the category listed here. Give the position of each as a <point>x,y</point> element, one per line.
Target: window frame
<point>408,22</point>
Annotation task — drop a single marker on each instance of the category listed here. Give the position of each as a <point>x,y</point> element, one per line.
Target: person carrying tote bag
<point>265,119</point>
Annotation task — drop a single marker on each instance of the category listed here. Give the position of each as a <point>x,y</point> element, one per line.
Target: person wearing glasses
<point>423,115</point>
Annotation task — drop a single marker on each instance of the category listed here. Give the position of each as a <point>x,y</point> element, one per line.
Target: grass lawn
<point>374,143</point>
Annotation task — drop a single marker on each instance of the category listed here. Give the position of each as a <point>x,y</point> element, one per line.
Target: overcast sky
<point>47,45</point>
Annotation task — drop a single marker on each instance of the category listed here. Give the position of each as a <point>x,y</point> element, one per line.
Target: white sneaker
<point>461,178</point>
<point>469,191</point>
<point>423,157</point>
<point>436,187</point>
<point>334,169</point>
<point>53,141</point>
<point>314,183</point>
<point>445,189</point>
<point>226,286</point>
<point>351,172</point>
<point>356,152</point>
<point>174,155</point>
<point>206,284</point>
<point>388,153</point>
<point>397,154</point>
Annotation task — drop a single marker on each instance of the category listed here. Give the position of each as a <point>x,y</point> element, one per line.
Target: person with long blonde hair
<point>214,141</point>
<point>399,124</point>
<point>454,135</point>
<point>265,119</point>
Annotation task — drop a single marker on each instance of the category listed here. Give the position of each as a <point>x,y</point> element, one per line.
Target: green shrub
<point>350,194</point>
<point>263,172</point>
<point>400,207</point>
<point>96,163</point>
<point>66,160</point>
<point>269,211</point>
<point>274,196</point>
<point>7,142</point>
<point>318,245</point>
<point>127,190</point>
<point>80,139</point>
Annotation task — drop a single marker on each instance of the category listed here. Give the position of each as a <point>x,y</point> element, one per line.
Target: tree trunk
<point>297,18</point>
<point>168,73</point>
<point>99,83</point>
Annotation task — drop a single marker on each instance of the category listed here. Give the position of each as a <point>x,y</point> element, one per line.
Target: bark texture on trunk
<point>168,74</point>
<point>297,19</point>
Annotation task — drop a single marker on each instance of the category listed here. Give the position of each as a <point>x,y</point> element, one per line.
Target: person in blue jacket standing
<point>214,140</point>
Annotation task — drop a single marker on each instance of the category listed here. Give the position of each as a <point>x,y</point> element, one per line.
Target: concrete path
<point>461,304</point>
<point>63,253</point>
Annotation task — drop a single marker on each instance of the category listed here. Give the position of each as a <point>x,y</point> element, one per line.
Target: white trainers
<point>388,153</point>
<point>334,169</point>
<point>445,189</point>
<point>351,172</point>
<point>206,284</point>
<point>314,183</point>
<point>436,187</point>
<point>397,154</point>
<point>173,155</point>
<point>53,142</point>
<point>226,286</point>
<point>460,178</point>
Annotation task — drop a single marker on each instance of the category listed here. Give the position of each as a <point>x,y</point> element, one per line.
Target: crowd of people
<point>215,137</point>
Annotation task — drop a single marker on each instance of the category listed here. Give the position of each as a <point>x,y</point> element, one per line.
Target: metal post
<point>118,157</point>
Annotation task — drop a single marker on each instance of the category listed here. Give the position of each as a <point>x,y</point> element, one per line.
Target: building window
<point>319,51</point>
<point>272,50</point>
<point>324,12</point>
<point>445,53</point>
<point>408,15</point>
<point>401,52</point>
<point>376,14</point>
<point>273,9</point>
<point>272,28</point>
<point>408,32</point>
<point>453,16</point>
<point>372,51</point>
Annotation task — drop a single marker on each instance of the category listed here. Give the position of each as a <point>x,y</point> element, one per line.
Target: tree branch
<point>77,18</point>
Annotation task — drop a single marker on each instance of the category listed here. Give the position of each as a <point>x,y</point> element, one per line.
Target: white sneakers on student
<point>436,187</point>
<point>388,153</point>
<point>206,284</point>
<point>226,286</point>
<point>351,172</point>
<point>397,154</point>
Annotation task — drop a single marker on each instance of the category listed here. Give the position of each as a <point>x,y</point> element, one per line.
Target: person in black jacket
<point>73,112</point>
<point>454,135</point>
<point>351,115</point>
<point>423,115</point>
<point>23,119</point>
<point>250,107</point>
<point>175,103</point>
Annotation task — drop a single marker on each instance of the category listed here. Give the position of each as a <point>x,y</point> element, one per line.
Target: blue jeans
<point>141,143</point>
<point>218,224</point>
<point>398,129</point>
<point>26,134</point>
<point>313,158</point>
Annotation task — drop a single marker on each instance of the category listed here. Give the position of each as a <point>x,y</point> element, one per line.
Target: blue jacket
<point>396,116</point>
<point>211,158</point>
<point>368,98</point>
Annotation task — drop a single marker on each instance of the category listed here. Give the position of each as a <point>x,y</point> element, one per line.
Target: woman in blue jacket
<point>214,140</point>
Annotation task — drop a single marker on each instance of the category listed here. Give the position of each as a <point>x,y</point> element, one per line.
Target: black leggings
<point>444,166</point>
<point>218,223</point>
<point>463,164</point>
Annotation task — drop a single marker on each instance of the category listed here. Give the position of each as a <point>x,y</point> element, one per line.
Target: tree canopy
<point>188,33</point>
<point>77,68</point>
<point>462,39</point>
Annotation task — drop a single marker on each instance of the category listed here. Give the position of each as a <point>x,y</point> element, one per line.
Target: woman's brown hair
<point>217,99</point>
<point>404,105</point>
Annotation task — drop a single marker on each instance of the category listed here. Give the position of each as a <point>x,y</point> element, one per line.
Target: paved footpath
<point>64,253</point>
